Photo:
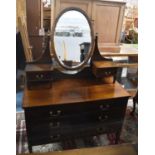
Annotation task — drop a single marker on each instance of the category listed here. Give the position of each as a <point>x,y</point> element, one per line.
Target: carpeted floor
<point>129,135</point>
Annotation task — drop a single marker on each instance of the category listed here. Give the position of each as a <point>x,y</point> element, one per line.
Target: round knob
<point>58,112</point>
<point>107,105</point>
<point>51,124</point>
<point>37,76</point>
<point>106,117</point>
<point>103,118</point>
<point>106,73</point>
<point>57,124</point>
<point>41,76</point>
<point>100,117</point>
<point>104,107</point>
<point>55,136</point>
<point>51,113</point>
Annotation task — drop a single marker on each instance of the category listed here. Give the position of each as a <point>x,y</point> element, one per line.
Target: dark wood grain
<point>72,91</point>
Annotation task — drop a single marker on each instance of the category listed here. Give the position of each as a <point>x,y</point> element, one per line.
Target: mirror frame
<point>65,68</point>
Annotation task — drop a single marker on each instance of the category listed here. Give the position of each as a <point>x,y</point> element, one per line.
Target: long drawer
<point>67,123</point>
<point>76,132</point>
<point>56,123</point>
<point>59,111</point>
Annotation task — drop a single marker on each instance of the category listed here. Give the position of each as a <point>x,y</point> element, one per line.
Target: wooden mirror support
<point>45,57</point>
<point>39,71</point>
<point>43,71</point>
<point>106,74</point>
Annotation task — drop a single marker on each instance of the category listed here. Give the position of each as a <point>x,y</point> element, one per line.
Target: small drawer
<point>41,114</point>
<point>38,76</point>
<point>104,72</point>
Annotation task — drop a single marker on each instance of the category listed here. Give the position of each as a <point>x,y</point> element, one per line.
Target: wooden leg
<point>117,136</point>
<point>134,107</point>
<point>30,148</point>
<point>135,100</point>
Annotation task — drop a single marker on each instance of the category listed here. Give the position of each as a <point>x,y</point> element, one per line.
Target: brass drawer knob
<point>39,76</point>
<point>107,73</point>
<point>104,107</point>
<point>56,124</point>
<point>103,118</point>
<point>58,112</point>
<point>51,113</point>
<point>55,136</point>
<point>51,124</point>
<point>54,114</point>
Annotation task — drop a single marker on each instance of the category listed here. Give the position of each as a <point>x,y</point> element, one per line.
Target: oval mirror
<point>73,39</point>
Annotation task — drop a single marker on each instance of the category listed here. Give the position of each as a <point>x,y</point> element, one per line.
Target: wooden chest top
<point>67,91</point>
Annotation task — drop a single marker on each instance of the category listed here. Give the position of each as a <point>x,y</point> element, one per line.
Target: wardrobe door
<point>108,19</point>
<point>33,9</point>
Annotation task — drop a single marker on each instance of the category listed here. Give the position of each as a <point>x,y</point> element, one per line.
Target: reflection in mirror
<point>72,38</point>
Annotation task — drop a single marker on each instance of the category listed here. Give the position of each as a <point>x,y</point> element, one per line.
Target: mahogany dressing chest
<point>66,99</point>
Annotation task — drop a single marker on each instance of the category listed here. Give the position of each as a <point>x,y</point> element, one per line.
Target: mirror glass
<point>72,39</point>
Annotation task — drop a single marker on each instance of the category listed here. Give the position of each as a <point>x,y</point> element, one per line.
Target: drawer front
<point>38,76</point>
<point>56,123</point>
<point>44,139</point>
<point>104,72</point>
<point>75,132</point>
<point>94,128</point>
<point>74,122</point>
<point>65,111</point>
